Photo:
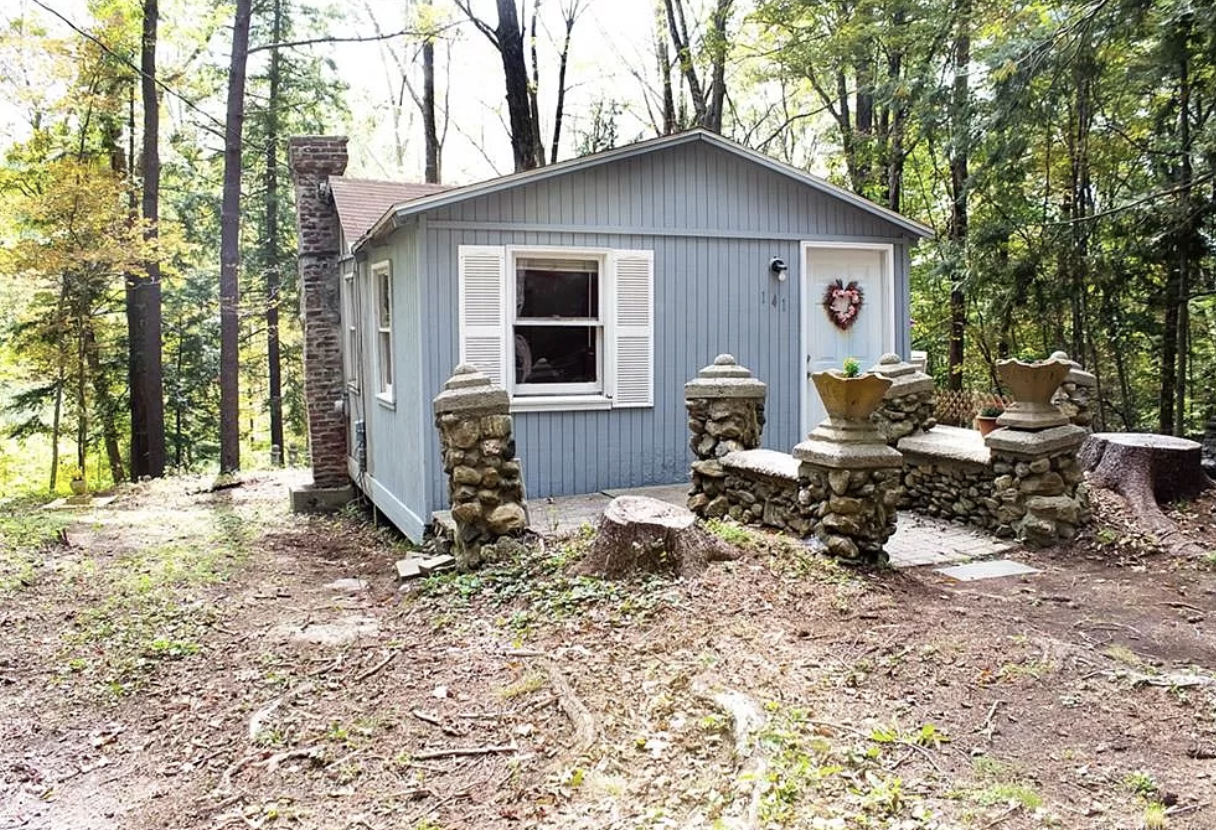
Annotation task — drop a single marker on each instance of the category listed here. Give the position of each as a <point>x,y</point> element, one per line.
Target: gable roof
<point>362,201</point>
<point>460,194</point>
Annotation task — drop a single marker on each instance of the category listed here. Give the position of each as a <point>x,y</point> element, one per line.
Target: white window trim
<point>385,393</point>
<point>352,331</point>
<point>559,397</point>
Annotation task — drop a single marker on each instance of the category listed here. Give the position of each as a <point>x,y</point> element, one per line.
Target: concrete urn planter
<point>79,486</point>
<point>1032,386</point>
<point>850,399</point>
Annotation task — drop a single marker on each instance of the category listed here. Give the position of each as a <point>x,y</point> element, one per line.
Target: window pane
<point>386,301</point>
<point>557,288</point>
<point>555,354</point>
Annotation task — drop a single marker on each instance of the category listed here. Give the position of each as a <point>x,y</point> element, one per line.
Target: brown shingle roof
<point>363,201</point>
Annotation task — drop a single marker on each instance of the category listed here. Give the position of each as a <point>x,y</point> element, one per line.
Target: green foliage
<point>539,587</point>
<point>851,367</point>
<point>25,534</point>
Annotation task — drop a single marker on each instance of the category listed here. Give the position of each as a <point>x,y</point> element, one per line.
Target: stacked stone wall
<point>950,490</point>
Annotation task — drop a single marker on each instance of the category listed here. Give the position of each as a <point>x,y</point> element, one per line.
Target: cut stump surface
<point>1146,469</point>
<point>639,534</point>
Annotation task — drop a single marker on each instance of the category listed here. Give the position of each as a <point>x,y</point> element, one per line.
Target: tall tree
<point>960,150</point>
<point>230,245</point>
<point>144,291</point>
<point>270,257</point>
<point>523,111</point>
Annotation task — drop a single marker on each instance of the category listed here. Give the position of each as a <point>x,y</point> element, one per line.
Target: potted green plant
<point>985,419</point>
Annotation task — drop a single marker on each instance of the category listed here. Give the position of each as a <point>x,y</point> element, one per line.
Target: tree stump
<point>643,535</point>
<point>1146,469</point>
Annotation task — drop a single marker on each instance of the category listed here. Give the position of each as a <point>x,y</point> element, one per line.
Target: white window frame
<point>385,369</point>
<point>352,322</point>
<point>547,394</point>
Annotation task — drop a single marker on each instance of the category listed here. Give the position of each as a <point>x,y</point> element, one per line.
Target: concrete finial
<point>888,359</point>
<point>725,378</point>
<point>1076,372</point>
<point>908,379</point>
<point>467,389</point>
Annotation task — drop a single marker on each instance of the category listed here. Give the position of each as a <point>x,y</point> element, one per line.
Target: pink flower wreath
<point>843,303</point>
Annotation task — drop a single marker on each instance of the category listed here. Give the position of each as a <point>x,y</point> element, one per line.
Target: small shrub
<point>852,367</point>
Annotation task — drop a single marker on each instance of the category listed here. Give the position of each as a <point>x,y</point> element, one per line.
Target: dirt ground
<point>191,659</point>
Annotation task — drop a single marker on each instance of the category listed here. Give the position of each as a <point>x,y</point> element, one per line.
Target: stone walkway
<point>918,540</point>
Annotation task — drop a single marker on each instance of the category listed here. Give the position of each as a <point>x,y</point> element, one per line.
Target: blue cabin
<point>591,290</point>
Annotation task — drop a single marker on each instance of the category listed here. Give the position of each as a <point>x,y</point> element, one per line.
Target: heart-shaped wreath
<point>843,303</point>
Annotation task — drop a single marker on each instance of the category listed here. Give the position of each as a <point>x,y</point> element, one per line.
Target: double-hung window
<point>560,328</point>
<point>382,283</point>
<point>350,320</point>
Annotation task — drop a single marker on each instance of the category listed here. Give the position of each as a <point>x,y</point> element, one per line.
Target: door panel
<point>827,346</point>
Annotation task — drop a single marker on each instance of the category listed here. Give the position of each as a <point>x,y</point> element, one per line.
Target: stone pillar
<point>1075,393</point>
<point>1039,487</point>
<point>313,159</point>
<point>849,484</point>
<point>909,406</point>
<point>485,481</point>
<point>725,414</point>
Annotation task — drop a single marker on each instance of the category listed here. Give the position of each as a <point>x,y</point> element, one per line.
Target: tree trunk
<point>143,297</point>
<point>643,535</point>
<point>560,107</point>
<point>230,245</point>
<point>510,42</point>
<point>271,256</point>
<point>1146,469</point>
<point>430,133</point>
<point>105,405</point>
<point>669,101</point>
<point>960,118</point>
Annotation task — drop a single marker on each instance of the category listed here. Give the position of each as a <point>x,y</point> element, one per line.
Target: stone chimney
<point>313,159</point>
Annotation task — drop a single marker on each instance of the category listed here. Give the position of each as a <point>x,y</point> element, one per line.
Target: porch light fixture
<point>778,267</point>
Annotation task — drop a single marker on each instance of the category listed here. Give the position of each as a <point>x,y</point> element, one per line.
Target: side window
<point>382,284</point>
<point>350,318</point>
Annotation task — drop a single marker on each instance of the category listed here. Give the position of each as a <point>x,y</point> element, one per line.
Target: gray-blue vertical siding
<point>714,221</point>
<point>397,447</point>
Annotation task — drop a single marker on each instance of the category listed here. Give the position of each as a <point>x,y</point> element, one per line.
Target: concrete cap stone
<point>906,378</point>
<point>469,389</point>
<point>847,456</point>
<point>725,378</point>
<point>1024,444</point>
<point>949,444</point>
<point>765,462</point>
<point>1076,373</point>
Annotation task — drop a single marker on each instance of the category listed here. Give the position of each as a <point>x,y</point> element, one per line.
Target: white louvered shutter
<point>631,375</point>
<point>483,321</point>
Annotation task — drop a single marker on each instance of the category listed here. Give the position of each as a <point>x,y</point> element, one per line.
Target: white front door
<point>872,330</point>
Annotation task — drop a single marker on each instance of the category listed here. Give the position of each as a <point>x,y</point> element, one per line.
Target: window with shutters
<point>560,328</point>
<point>382,282</point>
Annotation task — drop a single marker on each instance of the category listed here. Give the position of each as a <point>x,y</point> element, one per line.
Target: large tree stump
<point>643,535</point>
<point>1146,470</point>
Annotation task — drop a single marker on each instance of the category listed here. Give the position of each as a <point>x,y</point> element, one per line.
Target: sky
<point>611,38</point>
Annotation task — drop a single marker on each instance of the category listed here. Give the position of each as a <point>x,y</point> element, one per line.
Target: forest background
<point>1065,153</point>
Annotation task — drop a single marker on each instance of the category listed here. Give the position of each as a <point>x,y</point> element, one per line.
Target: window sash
<point>586,262</point>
